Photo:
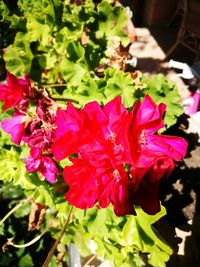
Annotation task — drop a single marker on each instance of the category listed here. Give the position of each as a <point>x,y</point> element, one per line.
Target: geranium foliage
<point>83,132</point>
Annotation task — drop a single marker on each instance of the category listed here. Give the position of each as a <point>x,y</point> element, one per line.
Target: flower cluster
<point>116,155</point>
<point>36,130</point>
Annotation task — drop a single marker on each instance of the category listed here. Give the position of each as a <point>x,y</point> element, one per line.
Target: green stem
<point>14,209</point>
<point>65,99</point>
<point>11,243</point>
<point>61,98</point>
<point>51,252</point>
<point>54,85</point>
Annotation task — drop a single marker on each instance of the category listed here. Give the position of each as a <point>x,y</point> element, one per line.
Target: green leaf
<point>119,83</point>
<point>164,91</point>
<point>24,210</point>
<point>72,20</point>
<point>4,11</point>
<point>72,72</point>
<point>97,226</point>
<point>36,8</point>
<point>131,234</point>
<point>26,261</point>
<point>17,23</point>
<point>112,22</point>
<point>158,258</point>
<point>76,52</point>
<point>10,191</point>
<point>61,41</point>
<point>38,31</point>
<point>44,195</point>
<point>19,56</point>
<point>138,232</point>
<point>12,169</point>
<point>87,91</point>
<point>53,262</point>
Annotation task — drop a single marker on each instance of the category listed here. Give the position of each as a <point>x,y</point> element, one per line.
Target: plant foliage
<point>61,45</point>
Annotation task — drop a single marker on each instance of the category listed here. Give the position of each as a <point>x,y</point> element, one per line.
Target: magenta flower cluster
<point>116,155</point>
<point>37,130</point>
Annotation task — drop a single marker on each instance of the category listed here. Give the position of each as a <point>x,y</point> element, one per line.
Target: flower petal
<point>148,115</point>
<point>174,147</point>
<point>81,178</point>
<point>15,127</point>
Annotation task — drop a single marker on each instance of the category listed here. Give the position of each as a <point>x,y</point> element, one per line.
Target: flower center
<point>116,175</point>
<point>112,137</point>
<point>142,139</point>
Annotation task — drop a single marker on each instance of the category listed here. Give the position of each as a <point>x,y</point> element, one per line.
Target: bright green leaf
<point>72,72</point>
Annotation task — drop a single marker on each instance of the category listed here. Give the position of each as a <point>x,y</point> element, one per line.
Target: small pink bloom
<point>43,163</point>
<point>15,91</point>
<point>33,162</point>
<point>48,169</point>
<point>16,126</point>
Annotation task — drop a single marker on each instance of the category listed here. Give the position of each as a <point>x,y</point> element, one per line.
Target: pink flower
<point>15,91</point>
<point>147,119</point>
<point>105,185</point>
<point>91,130</point>
<point>16,126</point>
<point>95,134</point>
<point>120,159</point>
<point>43,163</point>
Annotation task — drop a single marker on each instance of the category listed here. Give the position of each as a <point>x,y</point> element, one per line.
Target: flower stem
<point>14,209</point>
<point>65,99</point>
<point>61,98</point>
<point>51,252</point>
<point>90,260</point>
<point>55,85</point>
<point>11,243</point>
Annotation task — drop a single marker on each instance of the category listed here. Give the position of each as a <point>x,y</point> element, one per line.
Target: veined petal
<point>48,169</point>
<point>174,147</point>
<point>43,163</point>
<point>119,124</point>
<point>15,127</point>
<point>148,115</point>
<point>113,186</point>
<point>81,179</point>
<point>68,133</point>
<point>15,91</point>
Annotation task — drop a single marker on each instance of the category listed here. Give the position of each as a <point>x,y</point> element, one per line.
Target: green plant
<point>61,45</point>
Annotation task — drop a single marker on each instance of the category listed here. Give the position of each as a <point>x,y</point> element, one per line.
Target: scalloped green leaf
<point>18,56</point>
<point>164,91</point>
<point>72,72</point>
<point>12,169</point>
<point>138,232</point>
<point>44,195</point>
<point>112,22</point>
<point>119,83</point>
<point>4,11</point>
<point>38,31</point>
